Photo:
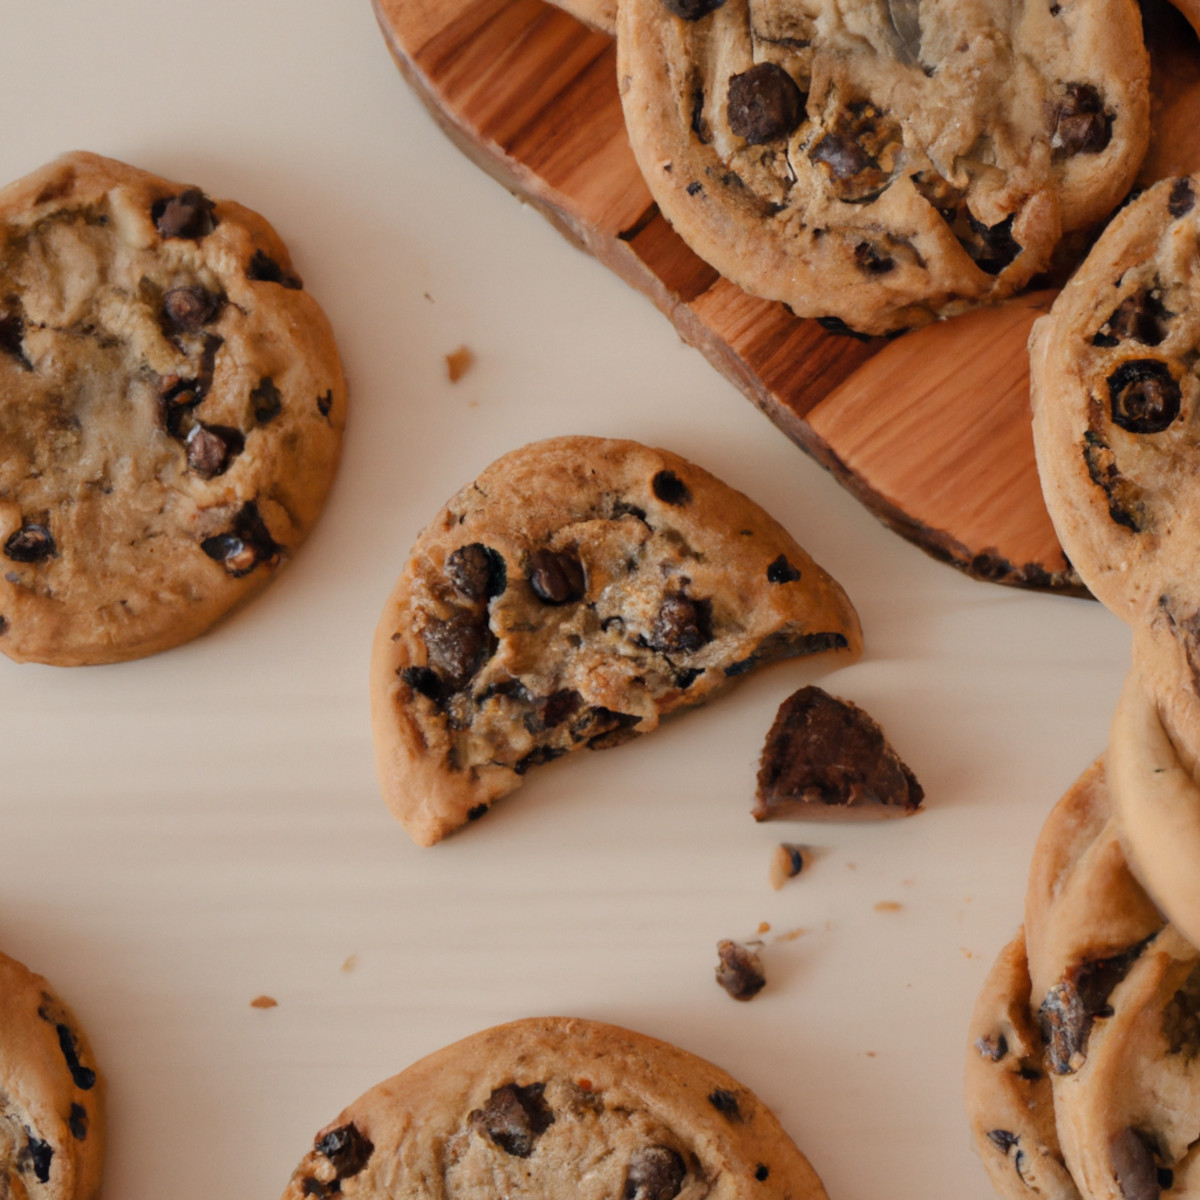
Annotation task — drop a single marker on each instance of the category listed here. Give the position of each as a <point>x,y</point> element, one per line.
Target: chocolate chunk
<point>654,1173</point>
<point>264,269</point>
<point>12,337</point>
<point>77,1122</point>
<point>782,571</point>
<point>346,1148</point>
<point>424,681</point>
<point>1081,124</point>
<point>670,489</point>
<point>726,1103</point>
<point>211,448</point>
<point>1144,396</point>
<point>83,1077</point>
<point>38,1155</point>
<point>556,577</point>
<point>1182,199</point>
<point>31,543</point>
<point>692,10</point>
<point>1140,317</point>
<point>991,247</point>
<point>739,970</point>
<point>457,647</point>
<point>1071,1005</point>
<point>189,309</point>
<point>682,626</point>
<point>246,545</point>
<point>765,104</point>
<point>188,215</point>
<point>266,401</point>
<point>477,571</point>
<point>826,756</point>
<point>559,707</point>
<point>1134,1166</point>
<point>514,1118</point>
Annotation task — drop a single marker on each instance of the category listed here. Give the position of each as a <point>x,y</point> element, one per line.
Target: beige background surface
<point>183,834</point>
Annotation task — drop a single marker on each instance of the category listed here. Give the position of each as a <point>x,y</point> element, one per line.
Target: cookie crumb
<point>740,970</point>
<point>787,861</point>
<point>264,1002</point>
<point>764,927</point>
<point>458,363</point>
<point>791,935</point>
<point>888,906</point>
<point>350,963</point>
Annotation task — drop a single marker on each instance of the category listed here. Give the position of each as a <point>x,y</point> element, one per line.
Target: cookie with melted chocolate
<point>532,1109</point>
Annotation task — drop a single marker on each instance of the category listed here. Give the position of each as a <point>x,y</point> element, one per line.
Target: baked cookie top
<point>579,590</point>
<point>171,409</point>
<point>556,1107</point>
<point>882,164</point>
<point>51,1095</point>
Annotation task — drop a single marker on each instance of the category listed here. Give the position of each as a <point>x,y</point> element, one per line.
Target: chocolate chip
<point>31,543</point>
<point>266,401</point>
<point>761,1172</point>
<point>823,753</point>
<point>991,247</point>
<point>1081,124</point>
<point>844,157</point>
<point>211,448</point>
<point>83,1077</point>
<point>765,104</point>
<point>1071,1005</point>
<point>424,681</point>
<point>556,577</point>
<point>12,337</point>
<point>1133,1165</point>
<point>1144,396</point>
<point>325,403</point>
<point>670,489</point>
<point>247,544</point>
<point>739,970</point>
<point>189,309</point>
<point>992,1048</point>
<point>654,1173</point>
<point>77,1122</point>
<point>1002,1139</point>
<point>682,625</point>
<point>264,269</point>
<point>692,10</point>
<point>514,1118</point>
<point>872,260</point>
<point>782,571</point>
<point>346,1148</point>
<point>695,188</point>
<point>37,1154</point>
<point>179,396</point>
<point>1182,199</point>
<point>473,814</point>
<point>188,215</point>
<point>559,707</point>
<point>477,571</point>
<point>457,647</point>
<point>726,1103</point>
<point>1140,317</point>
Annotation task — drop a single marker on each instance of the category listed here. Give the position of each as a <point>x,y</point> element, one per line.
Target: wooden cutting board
<point>929,430</point>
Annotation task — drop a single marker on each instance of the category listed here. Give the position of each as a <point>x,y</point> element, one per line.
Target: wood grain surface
<point>930,430</point>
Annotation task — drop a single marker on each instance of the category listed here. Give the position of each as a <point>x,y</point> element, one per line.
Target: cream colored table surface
<point>185,833</point>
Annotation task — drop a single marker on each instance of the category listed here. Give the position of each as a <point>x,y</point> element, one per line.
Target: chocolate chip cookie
<point>51,1096</point>
<point>578,591</point>
<point>881,164</point>
<point>551,1107</point>
<point>171,411</point>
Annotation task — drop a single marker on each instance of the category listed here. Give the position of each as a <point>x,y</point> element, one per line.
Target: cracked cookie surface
<point>576,592</point>
<point>171,409</point>
<point>556,1107</point>
<point>880,164</point>
<point>51,1095</point>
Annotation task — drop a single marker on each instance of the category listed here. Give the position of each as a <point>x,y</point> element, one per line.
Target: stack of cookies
<point>1083,1075</point>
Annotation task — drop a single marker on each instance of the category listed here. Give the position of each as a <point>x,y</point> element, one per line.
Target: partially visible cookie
<point>551,1107</point>
<point>578,591</point>
<point>598,14</point>
<point>171,410</point>
<point>51,1095</point>
<point>826,758</point>
<point>883,164</point>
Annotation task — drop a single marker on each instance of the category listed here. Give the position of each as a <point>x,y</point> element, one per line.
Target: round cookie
<point>883,164</point>
<point>171,410</point>
<point>579,590</point>
<point>550,1107</point>
<point>51,1096</point>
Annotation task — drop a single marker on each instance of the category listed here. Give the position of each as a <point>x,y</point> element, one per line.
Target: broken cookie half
<point>579,590</point>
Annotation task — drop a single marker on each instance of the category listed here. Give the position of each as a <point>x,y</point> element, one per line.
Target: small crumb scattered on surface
<point>791,935</point>
<point>350,963</point>
<point>787,861</point>
<point>764,927</point>
<point>739,970</point>
<point>888,906</point>
<point>458,363</point>
<point>264,1002</point>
